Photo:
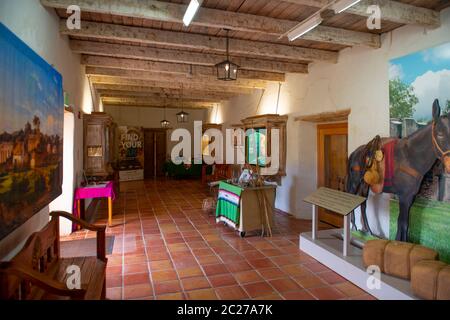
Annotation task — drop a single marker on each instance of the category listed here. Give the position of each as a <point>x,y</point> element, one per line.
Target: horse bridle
<point>437,148</point>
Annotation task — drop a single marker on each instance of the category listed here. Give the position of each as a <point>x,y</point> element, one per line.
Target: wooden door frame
<point>323,130</point>
<point>163,130</point>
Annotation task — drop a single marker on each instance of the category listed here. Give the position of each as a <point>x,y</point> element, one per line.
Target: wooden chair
<point>38,272</point>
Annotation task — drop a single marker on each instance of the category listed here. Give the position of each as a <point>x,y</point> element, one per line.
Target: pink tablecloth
<point>91,193</point>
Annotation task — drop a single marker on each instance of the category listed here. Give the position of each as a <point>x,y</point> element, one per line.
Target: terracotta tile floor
<point>166,247</point>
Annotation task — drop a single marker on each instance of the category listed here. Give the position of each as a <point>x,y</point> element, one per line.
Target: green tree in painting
<point>402,99</point>
<point>447,107</point>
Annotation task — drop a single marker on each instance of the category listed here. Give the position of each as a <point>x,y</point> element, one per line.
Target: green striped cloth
<point>228,203</point>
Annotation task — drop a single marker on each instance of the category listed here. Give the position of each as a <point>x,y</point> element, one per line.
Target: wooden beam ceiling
<point>178,56</point>
<point>213,18</point>
<point>392,11</point>
<point>159,76</point>
<point>177,68</point>
<point>178,85</point>
<point>196,41</point>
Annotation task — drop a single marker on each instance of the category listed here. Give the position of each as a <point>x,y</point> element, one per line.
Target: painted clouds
<point>428,87</point>
<point>428,73</point>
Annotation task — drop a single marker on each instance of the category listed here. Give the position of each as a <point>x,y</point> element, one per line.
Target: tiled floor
<point>166,247</point>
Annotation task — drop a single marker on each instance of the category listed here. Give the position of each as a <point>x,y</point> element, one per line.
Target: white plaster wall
<point>359,81</point>
<point>38,27</point>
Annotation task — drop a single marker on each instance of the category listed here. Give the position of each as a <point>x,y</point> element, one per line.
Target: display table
<point>241,208</point>
<point>341,203</point>
<point>105,190</point>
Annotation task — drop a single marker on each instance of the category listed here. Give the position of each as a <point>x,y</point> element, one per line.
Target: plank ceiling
<point>144,87</point>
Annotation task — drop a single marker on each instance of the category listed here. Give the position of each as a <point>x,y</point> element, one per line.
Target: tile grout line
<point>195,257</point>
<point>145,247</point>
<point>123,248</point>
<point>218,256</point>
<point>167,248</point>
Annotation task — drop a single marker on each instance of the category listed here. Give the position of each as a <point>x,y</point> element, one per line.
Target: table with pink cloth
<point>91,192</point>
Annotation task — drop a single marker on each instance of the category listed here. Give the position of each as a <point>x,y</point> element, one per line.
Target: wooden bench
<point>38,272</point>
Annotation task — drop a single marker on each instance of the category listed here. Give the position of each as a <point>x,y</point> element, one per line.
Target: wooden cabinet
<point>268,122</point>
<point>99,142</point>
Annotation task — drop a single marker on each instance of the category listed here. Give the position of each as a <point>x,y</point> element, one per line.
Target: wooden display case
<point>99,145</point>
<point>270,122</point>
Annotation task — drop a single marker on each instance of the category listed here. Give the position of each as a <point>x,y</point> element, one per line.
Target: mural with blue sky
<point>29,87</point>
<point>428,72</point>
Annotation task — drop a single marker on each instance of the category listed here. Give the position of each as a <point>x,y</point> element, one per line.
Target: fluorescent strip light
<point>342,5</point>
<point>191,11</point>
<point>304,27</point>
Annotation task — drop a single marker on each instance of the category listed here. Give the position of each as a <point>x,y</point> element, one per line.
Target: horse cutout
<point>413,157</point>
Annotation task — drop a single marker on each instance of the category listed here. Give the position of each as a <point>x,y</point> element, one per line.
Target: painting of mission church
<point>31,130</point>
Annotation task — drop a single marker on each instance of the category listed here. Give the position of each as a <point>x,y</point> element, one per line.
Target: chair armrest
<point>82,223</point>
<point>101,231</point>
<point>40,280</point>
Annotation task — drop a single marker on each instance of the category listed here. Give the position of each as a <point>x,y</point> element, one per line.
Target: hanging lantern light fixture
<point>165,123</point>
<point>227,70</point>
<point>182,117</point>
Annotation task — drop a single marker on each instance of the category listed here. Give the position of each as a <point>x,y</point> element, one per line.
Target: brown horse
<point>414,156</point>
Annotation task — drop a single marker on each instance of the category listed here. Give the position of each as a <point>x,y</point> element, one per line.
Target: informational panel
<point>131,153</point>
<point>336,201</point>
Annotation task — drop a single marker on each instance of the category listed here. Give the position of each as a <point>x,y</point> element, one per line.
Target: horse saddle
<point>378,164</point>
<point>374,176</point>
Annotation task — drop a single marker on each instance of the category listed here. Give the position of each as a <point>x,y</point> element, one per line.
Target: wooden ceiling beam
<point>213,18</point>
<point>159,76</point>
<point>188,96</point>
<point>178,56</point>
<point>158,103</point>
<point>392,11</point>
<point>162,92</point>
<point>177,68</point>
<point>197,41</point>
<point>178,85</point>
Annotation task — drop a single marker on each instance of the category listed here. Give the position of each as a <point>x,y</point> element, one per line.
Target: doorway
<point>332,149</point>
<point>154,152</point>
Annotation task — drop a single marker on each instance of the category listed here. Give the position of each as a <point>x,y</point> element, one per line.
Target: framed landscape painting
<point>31,131</point>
